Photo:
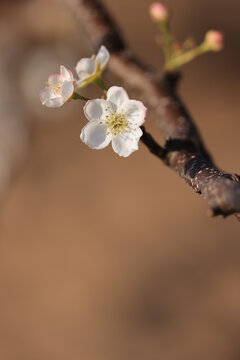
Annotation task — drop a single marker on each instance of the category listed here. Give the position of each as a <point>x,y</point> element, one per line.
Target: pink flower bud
<point>214,39</point>
<point>158,12</point>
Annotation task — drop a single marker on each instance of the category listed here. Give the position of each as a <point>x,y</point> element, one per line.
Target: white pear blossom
<point>116,119</point>
<point>59,88</point>
<point>89,69</point>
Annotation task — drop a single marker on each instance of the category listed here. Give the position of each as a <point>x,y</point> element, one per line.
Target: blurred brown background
<point>103,257</point>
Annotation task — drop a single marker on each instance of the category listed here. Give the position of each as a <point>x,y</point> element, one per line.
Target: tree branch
<point>184,150</point>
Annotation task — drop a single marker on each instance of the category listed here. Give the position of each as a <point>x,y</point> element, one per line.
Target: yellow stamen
<point>117,123</point>
<point>57,88</point>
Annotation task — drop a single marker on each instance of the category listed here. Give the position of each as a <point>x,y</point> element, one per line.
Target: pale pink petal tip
<point>158,12</point>
<point>215,40</point>
<point>66,73</point>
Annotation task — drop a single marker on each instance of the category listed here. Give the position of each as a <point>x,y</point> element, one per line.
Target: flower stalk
<point>176,61</point>
<point>100,83</point>
<point>76,96</point>
<point>167,39</point>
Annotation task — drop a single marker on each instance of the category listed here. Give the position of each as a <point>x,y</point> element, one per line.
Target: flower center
<point>117,123</point>
<point>57,88</point>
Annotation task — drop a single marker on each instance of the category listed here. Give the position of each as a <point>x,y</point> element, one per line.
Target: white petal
<point>49,99</point>
<point>54,79</point>
<point>135,112</point>
<point>97,109</point>
<point>83,76</point>
<point>124,146</point>
<point>79,83</point>
<point>117,95</point>
<point>67,90</point>
<point>133,133</point>
<point>45,95</point>
<point>85,67</point>
<point>102,56</point>
<point>56,102</point>
<point>136,133</point>
<point>66,73</point>
<point>95,135</point>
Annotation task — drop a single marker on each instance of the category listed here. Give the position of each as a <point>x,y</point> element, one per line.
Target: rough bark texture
<point>184,150</point>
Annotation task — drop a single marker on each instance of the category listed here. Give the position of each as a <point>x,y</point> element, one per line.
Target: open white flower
<point>89,69</point>
<point>59,88</point>
<point>117,119</point>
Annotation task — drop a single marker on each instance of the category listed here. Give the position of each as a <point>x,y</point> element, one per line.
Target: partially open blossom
<point>116,119</point>
<point>214,40</point>
<point>59,88</point>
<point>89,69</point>
<point>158,12</point>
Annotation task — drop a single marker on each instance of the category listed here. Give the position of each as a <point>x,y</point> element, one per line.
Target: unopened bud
<point>158,12</point>
<point>214,40</point>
